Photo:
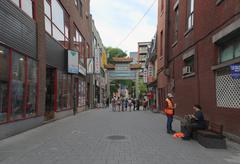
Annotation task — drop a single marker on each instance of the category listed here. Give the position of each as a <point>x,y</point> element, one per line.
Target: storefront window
<point>60,93</point>
<point>31,88</point>
<point>4,79</point>
<point>18,76</point>
<point>82,93</point>
<point>57,23</point>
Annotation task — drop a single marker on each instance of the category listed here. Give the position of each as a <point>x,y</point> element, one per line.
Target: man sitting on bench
<point>196,122</point>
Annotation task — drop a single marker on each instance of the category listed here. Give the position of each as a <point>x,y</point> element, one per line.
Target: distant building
<point>134,56</point>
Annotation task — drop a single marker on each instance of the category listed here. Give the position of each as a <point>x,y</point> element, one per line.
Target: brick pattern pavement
<point>82,139</point>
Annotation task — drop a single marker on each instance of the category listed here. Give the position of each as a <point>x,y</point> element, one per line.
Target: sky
<point>114,19</point>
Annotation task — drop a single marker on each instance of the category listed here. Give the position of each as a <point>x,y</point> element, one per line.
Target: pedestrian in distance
<point>134,104</point>
<point>138,104</point>
<point>169,111</point>
<point>113,104</point>
<point>126,104</point>
<point>118,104</point>
<point>122,104</point>
<point>130,105</point>
<point>145,104</point>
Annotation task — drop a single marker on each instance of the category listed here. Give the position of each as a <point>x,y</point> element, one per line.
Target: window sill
<point>188,31</point>
<point>174,44</point>
<point>225,64</point>
<point>189,75</point>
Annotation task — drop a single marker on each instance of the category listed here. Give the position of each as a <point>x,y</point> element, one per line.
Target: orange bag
<point>178,135</point>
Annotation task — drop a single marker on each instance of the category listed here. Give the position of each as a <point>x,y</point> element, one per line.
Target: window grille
<point>227,89</point>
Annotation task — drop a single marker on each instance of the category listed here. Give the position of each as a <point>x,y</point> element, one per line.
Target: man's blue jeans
<point>169,123</point>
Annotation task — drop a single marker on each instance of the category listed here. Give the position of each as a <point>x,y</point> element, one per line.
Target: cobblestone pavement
<point>137,138</point>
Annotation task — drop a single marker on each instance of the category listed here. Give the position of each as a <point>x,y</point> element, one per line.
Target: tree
<point>142,88</point>
<point>114,52</point>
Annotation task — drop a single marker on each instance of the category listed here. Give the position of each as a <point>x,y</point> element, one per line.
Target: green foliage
<point>142,87</point>
<point>114,52</point>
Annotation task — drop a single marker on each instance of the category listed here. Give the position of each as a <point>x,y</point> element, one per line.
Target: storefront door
<point>50,81</point>
<point>75,95</point>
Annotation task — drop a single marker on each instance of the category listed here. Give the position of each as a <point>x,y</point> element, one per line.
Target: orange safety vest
<point>169,109</point>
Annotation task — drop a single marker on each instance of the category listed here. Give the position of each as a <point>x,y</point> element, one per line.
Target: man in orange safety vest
<point>169,111</point>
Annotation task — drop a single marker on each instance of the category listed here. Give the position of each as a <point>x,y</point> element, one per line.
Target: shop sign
<point>235,71</point>
<point>89,65</point>
<point>97,62</point>
<point>72,62</point>
<point>82,70</point>
<point>145,75</point>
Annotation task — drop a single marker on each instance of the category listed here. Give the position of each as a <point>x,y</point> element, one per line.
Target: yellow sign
<point>104,59</point>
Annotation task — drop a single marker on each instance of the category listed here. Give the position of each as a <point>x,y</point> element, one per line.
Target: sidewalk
<point>106,137</point>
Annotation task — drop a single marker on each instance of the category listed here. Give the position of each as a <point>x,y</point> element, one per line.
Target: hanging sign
<point>82,70</point>
<point>97,62</point>
<point>72,62</point>
<point>89,65</point>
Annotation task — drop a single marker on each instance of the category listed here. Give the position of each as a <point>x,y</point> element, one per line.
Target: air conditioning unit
<point>186,70</point>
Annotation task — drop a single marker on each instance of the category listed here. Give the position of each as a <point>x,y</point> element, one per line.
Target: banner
<point>145,74</point>
<point>89,65</point>
<point>82,70</point>
<point>97,62</point>
<point>72,62</point>
<point>104,59</point>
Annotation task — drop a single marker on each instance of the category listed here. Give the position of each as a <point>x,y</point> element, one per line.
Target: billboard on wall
<point>97,62</point>
<point>89,65</point>
<point>72,62</point>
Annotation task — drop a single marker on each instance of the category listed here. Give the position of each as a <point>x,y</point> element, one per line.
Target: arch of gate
<point>122,69</point>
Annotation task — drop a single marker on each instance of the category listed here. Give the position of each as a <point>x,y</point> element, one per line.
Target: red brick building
<point>39,80</point>
<point>202,47</point>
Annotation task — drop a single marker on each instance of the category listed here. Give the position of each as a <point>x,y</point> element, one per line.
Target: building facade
<point>98,78</point>
<point>43,51</point>
<point>151,65</point>
<point>203,58</point>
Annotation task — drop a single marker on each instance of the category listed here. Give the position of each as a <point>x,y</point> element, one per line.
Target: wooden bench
<point>212,137</point>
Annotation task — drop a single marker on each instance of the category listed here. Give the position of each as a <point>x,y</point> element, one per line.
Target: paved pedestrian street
<point>105,137</point>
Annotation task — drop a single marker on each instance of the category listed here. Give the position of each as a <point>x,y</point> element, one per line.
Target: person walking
<point>130,104</point>
<point>122,104</point>
<point>169,111</point>
<point>138,104</point>
<point>126,104</point>
<point>118,104</point>
<point>145,104</point>
<point>113,104</point>
<point>134,104</point>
